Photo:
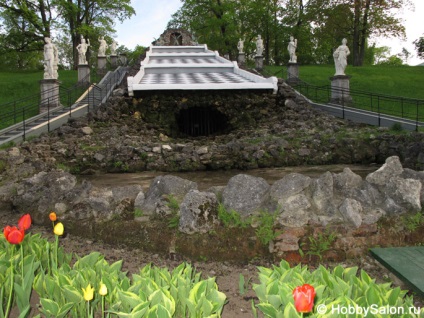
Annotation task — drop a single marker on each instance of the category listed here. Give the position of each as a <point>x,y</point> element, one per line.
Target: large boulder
<point>390,169</point>
<point>198,212</point>
<point>323,195</point>
<point>294,211</point>
<point>165,185</point>
<point>289,185</point>
<point>245,194</point>
<point>416,175</point>
<point>38,194</point>
<point>126,192</point>
<point>405,192</point>
<point>351,211</point>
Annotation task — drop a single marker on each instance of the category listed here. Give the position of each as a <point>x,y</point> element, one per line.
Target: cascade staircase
<point>55,117</point>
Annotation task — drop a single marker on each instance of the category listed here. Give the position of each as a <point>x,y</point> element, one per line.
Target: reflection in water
<point>207,179</point>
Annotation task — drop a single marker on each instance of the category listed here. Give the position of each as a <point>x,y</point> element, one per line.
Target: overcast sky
<point>152,17</point>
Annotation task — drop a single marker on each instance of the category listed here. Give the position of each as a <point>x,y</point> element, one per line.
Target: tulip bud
<point>58,229</point>
<point>52,216</point>
<point>103,290</point>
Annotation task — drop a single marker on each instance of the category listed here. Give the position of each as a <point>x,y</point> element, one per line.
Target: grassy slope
<point>404,81</point>
<point>19,85</point>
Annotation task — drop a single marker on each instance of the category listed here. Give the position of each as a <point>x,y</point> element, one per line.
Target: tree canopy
<point>319,25</point>
<point>25,23</point>
<point>419,46</point>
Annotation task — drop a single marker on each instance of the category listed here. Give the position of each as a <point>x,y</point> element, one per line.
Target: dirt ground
<point>226,273</point>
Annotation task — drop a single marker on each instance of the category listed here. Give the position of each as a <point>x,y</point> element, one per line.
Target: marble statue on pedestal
<point>102,47</point>
<point>259,46</point>
<point>292,50</point>
<point>113,47</point>
<point>340,58</point>
<point>82,50</point>
<point>51,60</point>
<point>240,46</point>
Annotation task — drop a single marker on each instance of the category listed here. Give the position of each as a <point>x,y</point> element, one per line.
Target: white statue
<point>340,58</point>
<point>292,50</point>
<point>240,46</point>
<point>82,50</point>
<point>113,47</point>
<point>102,47</point>
<point>259,46</point>
<point>51,60</point>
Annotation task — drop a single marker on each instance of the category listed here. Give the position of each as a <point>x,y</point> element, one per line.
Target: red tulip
<point>24,222</point>
<point>304,298</point>
<point>13,235</point>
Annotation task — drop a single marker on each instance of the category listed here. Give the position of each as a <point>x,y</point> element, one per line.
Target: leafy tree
<point>419,46</point>
<point>27,22</point>
<point>381,53</point>
<point>392,60</point>
<point>91,18</point>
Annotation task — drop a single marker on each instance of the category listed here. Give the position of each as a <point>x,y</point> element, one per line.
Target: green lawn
<point>402,81</point>
<point>18,85</point>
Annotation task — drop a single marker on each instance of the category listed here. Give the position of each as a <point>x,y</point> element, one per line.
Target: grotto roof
<point>193,68</point>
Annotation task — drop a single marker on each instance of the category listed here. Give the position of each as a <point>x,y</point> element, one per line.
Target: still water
<point>207,179</point>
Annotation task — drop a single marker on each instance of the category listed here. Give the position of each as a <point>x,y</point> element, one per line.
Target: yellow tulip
<point>88,293</point>
<point>103,290</point>
<point>58,229</point>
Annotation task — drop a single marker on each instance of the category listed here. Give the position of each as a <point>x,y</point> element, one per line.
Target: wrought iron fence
<point>381,105</point>
<point>25,114</point>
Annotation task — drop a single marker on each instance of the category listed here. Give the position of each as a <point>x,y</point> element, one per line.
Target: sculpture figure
<point>240,46</point>
<point>113,47</point>
<point>102,47</point>
<point>82,50</point>
<point>340,58</point>
<point>259,46</point>
<point>292,50</point>
<point>51,60</point>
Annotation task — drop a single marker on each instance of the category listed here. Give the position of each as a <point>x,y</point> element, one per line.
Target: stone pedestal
<point>259,62</point>
<point>340,90</point>
<point>241,59</point>
<point>84,74</point>
<point>292,73</point>
<point>101,65</point>
<point>114,60</point>
<point>123,59</point>
<point>50,98</point>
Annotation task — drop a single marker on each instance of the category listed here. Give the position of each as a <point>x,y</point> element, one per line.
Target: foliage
<point>231,218</point>
<point>138,212</point>
<point>27,22</point>
<point>419,46</point>
<point>392,60</point>
<point>412,222</point>
<point>174,206</point>
<point>320,243</point>
<point>396,127</point>
<point>265,230</point>
<point>339,287</point>
<point>318,25</point>
<point>151,292</point>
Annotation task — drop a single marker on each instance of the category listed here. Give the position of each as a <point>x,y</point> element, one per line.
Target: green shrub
<point>265,230</point>
<point>231,218</point>
<point>411,222</point>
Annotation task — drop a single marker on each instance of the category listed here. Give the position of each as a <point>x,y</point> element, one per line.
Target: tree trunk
<point>356,33</point>
<point>364,33</point>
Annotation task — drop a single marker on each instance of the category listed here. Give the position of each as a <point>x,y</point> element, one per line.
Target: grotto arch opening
<point>201,121</point>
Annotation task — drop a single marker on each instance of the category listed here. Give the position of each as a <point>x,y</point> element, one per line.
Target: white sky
<point>152,16</point>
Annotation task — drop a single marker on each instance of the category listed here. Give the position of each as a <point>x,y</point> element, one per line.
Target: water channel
<point>207,179</point>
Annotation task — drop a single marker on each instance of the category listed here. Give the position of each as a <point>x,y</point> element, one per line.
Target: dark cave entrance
<point>201,121</point>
